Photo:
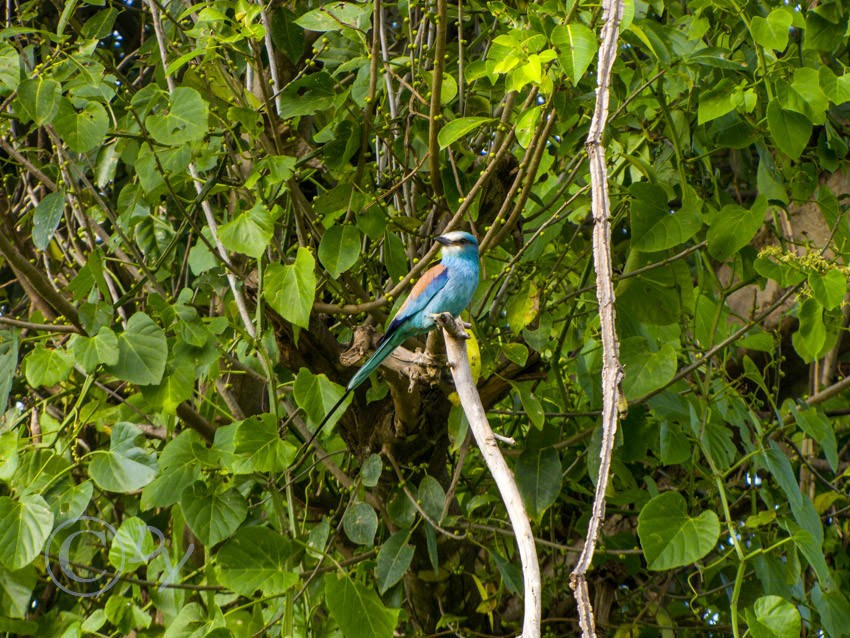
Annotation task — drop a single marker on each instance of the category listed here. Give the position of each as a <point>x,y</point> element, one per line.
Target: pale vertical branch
<point>612,372</point>
<point>471,403</point>
<point>196,179</point>
<point>267,40</point>
<point>436,90</point>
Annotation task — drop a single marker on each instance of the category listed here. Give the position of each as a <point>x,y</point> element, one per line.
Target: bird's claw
<point>454,327</point>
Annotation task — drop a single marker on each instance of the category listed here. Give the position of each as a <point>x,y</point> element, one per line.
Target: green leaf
<point>531,404</point>
<point>515,352</point>
<point>393,559</point>
<point>829,289</point>
<point>335,16</point>
<point>177,386</point>
<point>371,469</point>
<point>836,88</point>
<point>339,249</point>
<point>780,467</point>
<point>538,475</point>
<point>290,289</point>
<point>669,537</point>
<point>825,27</point>
<point>46,218</point>
<point>100,25</point>
<point>401,510</point>
<point>132,546</point>
<point>357,610</point>
<point>191,622</point>
<point>185,121</point>
<point>733,227</point>
<point>68,500</point>
<point>201,258</point>
<point>37,469</point>
<point>456,129</point>
<point>654,225</point>
<point>812,548</point>
<point>47,367</point>
<point>511,574</point>
<point>211,516</point>
<point>833,609</point>
<point>646,368</point>
<point>431,497</point>
<point>142,351</point>
<point>360,523</point>
<point>810,338</point>
<point>316,395</point>
<point>10,68</point>
<point>715,101</point>
<point>806,96</point>
<point>783,274</point>
<point>774,617</point>
<point>256,558</point>
<point>15,592</point>
<point>523,307</point>
<point>84,130</point>
<point>577,45</point>
<point>128,465</point>
<point>38,100</point>
<point>90,351</point>
<point>257,439</point>
<point>249,232</point>
<point>8,364</point>
<point>26,525</point>
<point>178,469</point>
<point>772,32</point>
<point>653,296</point>
<point>317,539</point>
<point>817,426</point>
<point>674,445</point>
<point>790,130</point>
<point>286,35</point>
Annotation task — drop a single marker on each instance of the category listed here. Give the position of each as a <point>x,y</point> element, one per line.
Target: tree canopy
<point>210,211</point>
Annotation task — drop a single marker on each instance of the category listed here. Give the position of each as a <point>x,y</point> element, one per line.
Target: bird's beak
<point>444,241</point>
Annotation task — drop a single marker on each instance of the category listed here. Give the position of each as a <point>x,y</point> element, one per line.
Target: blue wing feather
<point>429,285</point>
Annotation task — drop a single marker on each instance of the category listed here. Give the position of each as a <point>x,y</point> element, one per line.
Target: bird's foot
<point>455,327</point>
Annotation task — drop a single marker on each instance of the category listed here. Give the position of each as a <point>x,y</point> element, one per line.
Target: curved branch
<point>470,401</point>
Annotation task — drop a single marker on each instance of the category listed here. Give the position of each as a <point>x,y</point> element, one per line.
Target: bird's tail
<point>374,361</point>
<point>327,418</point>
<point>362,374</point>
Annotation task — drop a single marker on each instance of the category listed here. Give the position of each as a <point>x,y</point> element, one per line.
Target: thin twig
<point>46,327</point>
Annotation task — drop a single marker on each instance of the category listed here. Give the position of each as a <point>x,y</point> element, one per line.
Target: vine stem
<point>455,338</point>
<point>612,372</point>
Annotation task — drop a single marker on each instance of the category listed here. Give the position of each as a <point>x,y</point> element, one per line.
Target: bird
<point>446,287</point>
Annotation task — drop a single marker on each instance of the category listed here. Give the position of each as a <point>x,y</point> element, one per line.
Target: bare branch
<point>612,372</point>
<point>486,440</point>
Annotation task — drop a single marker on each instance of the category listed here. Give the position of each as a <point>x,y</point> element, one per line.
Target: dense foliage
<point>209,211</point>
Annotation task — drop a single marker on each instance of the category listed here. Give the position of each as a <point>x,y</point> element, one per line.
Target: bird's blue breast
<point>456,294</point>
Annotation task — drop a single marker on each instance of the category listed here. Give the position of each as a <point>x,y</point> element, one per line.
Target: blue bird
<point>446,287</point>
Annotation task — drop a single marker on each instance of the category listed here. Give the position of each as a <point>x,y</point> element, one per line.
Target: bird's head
<point>458,243</point>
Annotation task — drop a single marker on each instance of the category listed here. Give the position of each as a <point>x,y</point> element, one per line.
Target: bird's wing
<point>429,285</point>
